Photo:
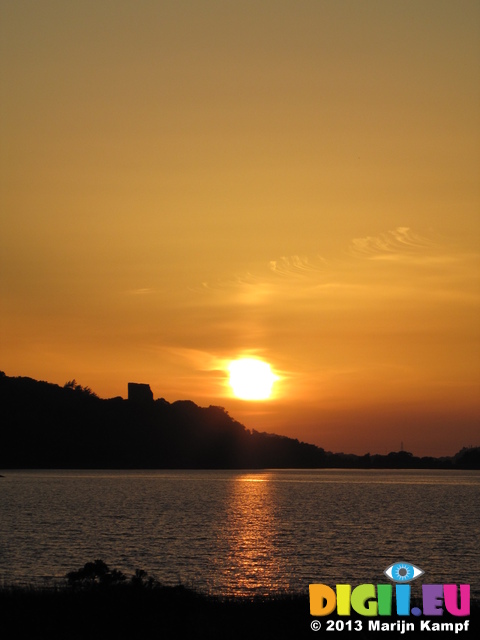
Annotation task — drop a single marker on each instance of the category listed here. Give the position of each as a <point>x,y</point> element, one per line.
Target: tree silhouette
<point>72,384</point>
<point>95,573</point>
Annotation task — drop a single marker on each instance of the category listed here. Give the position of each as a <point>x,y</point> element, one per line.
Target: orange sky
<point>186,182</point>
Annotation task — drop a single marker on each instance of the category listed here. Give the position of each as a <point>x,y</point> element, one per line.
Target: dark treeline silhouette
<point>44,425</point>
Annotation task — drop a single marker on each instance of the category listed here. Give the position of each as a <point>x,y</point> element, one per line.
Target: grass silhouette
<point>96,602</point>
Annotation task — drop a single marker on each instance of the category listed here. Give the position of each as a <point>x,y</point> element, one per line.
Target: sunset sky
<point>188,182</point>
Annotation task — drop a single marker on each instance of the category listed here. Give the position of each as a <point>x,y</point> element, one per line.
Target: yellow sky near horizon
<point>185,183</point>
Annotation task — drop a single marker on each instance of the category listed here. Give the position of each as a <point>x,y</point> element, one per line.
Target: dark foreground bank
<point>129,611</point>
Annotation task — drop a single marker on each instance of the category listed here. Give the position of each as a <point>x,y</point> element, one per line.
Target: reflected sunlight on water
<point>234,532</point>
<point>251,562</point>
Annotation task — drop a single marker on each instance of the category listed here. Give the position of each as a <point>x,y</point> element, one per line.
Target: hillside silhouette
<point>47,426</point>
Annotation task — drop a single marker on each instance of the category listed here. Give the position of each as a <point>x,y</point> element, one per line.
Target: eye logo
<point>403,572</point>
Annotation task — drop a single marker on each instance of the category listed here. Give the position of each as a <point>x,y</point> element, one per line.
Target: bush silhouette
<point>93,573</point>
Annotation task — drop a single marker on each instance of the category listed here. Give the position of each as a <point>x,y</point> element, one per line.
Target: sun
<point>251,379</point>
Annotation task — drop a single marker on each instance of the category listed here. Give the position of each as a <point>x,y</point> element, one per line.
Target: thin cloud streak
<point>316,280</point>
<point>400,241</point>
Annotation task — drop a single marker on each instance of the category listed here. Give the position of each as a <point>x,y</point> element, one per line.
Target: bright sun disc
<point>251,379</point>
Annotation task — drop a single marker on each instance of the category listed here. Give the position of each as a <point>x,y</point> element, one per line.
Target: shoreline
<point>134,610</point>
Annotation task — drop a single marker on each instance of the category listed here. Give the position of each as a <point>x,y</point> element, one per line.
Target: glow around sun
<point>251,379</point>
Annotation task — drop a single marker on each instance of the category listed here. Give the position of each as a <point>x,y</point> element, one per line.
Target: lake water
<point>241,532</point>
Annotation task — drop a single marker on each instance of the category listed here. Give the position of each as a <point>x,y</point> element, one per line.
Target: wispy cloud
<point>400,242</point>
<point>140,292</point>
<point>198,359</point>
<point>398,263</point>
<point>288,266</point>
